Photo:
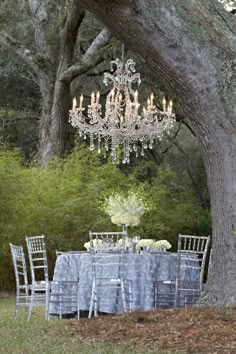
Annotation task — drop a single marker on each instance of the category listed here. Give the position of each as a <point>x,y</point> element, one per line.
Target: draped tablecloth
<point>142,269</point>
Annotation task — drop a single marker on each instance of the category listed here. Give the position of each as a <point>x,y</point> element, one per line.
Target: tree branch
<point>24,53</point>
<point>102,39</point>
<point>69,33</point>
<point>95,54</point>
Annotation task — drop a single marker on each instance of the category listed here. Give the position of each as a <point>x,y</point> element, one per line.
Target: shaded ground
<point>186,330</point>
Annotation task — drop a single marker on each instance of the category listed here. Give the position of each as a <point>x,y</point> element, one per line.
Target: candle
<point>98,95</point>
<point>81,101</point>
<point>170,106</point>
<point>74,104</point>
<point>164,104</point>
<point>151,98</point>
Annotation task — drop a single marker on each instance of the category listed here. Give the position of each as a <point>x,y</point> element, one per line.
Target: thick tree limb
<point>69,33</point>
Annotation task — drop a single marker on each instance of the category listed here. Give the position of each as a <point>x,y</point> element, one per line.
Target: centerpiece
<point>126,210</point>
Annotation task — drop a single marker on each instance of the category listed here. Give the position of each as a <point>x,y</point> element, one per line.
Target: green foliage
<point>63,202</point>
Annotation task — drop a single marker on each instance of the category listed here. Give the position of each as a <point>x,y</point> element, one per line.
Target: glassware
<point>135,240</point>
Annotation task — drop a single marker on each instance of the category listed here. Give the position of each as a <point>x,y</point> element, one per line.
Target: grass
<point>40,336</point>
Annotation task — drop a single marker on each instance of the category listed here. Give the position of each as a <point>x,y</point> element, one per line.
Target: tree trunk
<point>56,102</point>
<point>194,57</point>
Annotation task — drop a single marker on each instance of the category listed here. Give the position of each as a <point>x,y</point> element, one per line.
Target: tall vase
<point>124,227</point>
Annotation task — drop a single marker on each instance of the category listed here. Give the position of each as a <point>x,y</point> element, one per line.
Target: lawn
<point>193,330</point>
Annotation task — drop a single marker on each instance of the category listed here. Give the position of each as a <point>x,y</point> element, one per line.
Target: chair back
<point>37,258</point>
<point>104,240</point>
<point>19,264</point>
<point>108,266</point>
<point>196,246</point>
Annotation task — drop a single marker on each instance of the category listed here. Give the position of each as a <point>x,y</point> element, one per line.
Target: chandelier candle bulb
<point>151,98</point>
<point>164,104</point>
<point>98,96</point>
<point>81,101</point>
<point>170,106</point>
<point>74,104</point>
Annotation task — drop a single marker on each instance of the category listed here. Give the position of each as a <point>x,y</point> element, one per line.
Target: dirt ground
<point>192,330</point>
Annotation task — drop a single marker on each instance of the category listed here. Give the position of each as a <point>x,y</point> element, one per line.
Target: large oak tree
<point>47,38</point>
<point>191,47</point>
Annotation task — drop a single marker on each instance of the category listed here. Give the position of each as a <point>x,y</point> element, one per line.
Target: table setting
<point>146,261</point>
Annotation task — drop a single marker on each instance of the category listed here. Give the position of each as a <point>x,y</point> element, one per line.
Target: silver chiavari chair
<point>109,276</point>
<point>23,288</point>
<point>39,272</point>
<point>192,254</point>
<point>185,286</point>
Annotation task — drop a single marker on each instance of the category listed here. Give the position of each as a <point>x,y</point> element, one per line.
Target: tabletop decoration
<point>97,243</point>
<point>145,243</point>
<point>162,245</point>
<point>126,209</point>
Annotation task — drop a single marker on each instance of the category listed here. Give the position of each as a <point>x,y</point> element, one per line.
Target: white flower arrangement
<point>97,243</point>
<point>162,244</point>
<point>145,243</point>
<point>125,210</point>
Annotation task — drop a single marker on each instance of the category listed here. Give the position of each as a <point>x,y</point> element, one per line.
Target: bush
<point>63,203</point>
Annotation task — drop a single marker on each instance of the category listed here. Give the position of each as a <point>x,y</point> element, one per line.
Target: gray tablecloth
<point>142,269</point>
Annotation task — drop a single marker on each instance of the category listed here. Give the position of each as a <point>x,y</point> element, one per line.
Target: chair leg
<point>31,304</point>
<point>16,308</point>
<point>130,298</point>
<point>92,301</point>
<point>123,296</point>
<point>95,302</point>
<point>47,302</point>
<point>78,310</point>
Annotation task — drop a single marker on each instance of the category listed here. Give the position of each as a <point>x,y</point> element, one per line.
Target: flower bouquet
<point>162,245</point>
<point>125,210</point>
<point>145,243</point>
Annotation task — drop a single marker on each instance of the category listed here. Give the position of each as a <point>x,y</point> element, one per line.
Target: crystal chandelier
<point>123,123</point>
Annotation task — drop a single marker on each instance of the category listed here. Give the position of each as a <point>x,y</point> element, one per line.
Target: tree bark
<point>191,47</point>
